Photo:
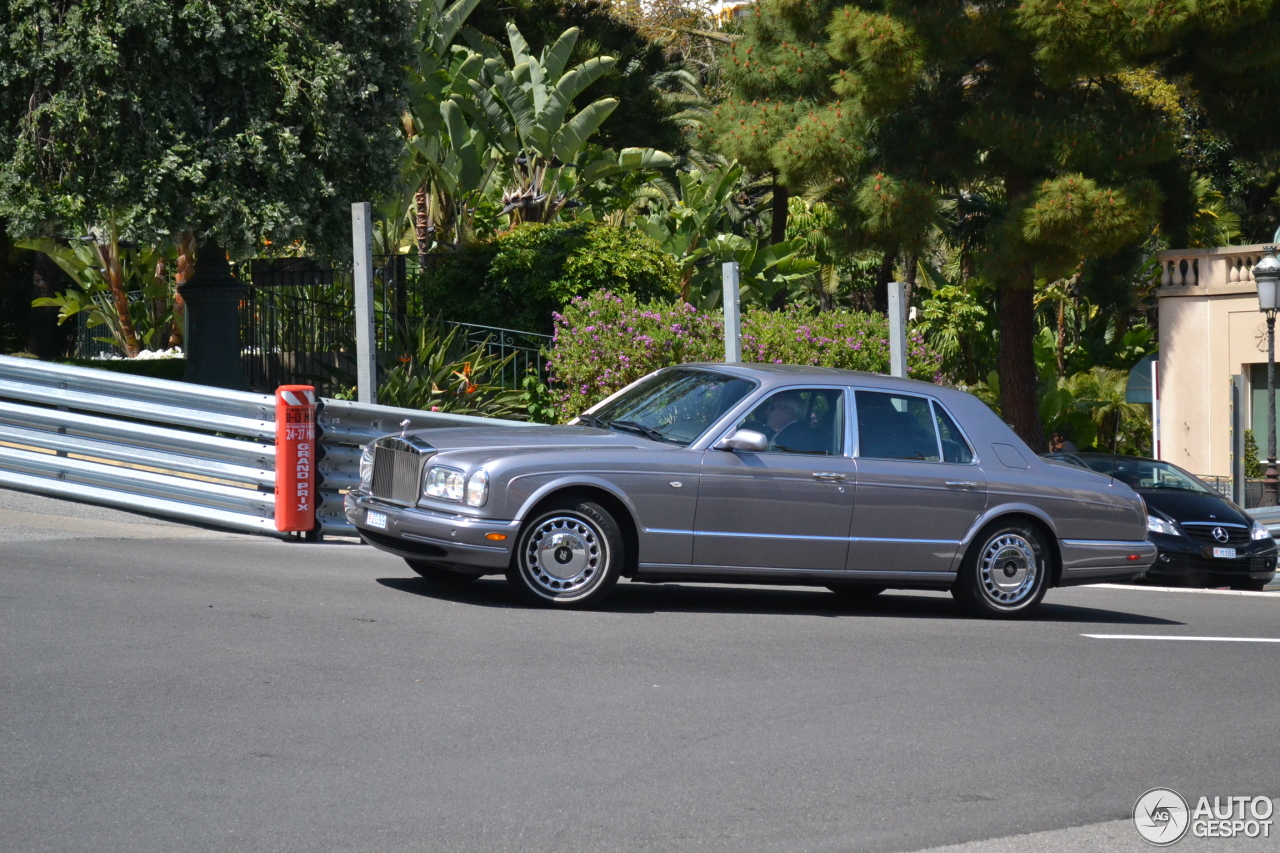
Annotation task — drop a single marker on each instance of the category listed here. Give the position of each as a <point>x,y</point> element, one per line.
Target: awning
<point>1138,390</point>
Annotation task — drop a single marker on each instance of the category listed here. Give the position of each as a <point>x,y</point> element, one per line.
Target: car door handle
<point>967,485</point>
<point>828,475</point>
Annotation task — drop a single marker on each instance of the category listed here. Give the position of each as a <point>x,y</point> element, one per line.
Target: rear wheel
<point>568,556</point>
<point>1005,572</point>
<point>437,573</point>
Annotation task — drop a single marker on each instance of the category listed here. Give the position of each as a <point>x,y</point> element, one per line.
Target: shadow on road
<point>694,598</point>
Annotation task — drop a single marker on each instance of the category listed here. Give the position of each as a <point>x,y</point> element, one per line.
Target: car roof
<point>777,373</point>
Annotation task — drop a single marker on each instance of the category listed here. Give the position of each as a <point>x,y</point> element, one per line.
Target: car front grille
<point>397,473</point>
<point>1203,532</point>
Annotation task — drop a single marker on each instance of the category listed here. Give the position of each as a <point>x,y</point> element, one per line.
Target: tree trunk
<point>109,255</point>
<point>45,338</point>
<point>1062,338</point>
<point>884,275</point>
<point>159,304</point>
<point>1019,394</point>
<point>422,224</point>
<point>187,246</point>
<point>778,234</point>
<point>909,278</point>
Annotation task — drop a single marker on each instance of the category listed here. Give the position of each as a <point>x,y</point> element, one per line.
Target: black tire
<point>569,555</point>
<point>437,573</point>
<point>1005,572</point>
<point>856,591</point>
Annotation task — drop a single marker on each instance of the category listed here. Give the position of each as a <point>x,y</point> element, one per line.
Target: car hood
<point>533,438</point>
<point>1180,505</point>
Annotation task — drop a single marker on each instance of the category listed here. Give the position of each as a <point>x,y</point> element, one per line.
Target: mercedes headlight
<point>1159,525</point>
<point>1260,532</point>
<point>478,488</point>
<point>443,483</point>
<point>366,468</point>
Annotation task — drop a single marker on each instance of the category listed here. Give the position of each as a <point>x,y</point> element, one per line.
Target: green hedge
<point>519,279</point>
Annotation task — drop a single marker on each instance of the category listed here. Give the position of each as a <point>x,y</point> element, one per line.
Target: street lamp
<point>1267,275</point>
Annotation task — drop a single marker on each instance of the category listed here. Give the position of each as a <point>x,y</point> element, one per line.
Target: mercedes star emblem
<point>1220,534</point>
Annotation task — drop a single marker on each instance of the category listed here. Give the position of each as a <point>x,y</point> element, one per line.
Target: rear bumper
<point>419,534</point>
<point>1104,560</point>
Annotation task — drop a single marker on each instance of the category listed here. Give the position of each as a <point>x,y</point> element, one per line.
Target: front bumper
<point>415,533</point>
<point>1186,560</point>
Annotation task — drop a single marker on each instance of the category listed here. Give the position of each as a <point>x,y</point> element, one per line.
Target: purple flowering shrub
<point>604,342</point>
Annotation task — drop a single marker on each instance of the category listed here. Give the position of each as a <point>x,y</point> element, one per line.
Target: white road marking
<point>1181,638</point>
<point>1136,588</point>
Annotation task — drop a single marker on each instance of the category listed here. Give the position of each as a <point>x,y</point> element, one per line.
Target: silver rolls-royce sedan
<point>753,473</point>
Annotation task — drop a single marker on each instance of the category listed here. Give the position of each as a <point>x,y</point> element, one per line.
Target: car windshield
<point>675,406</point>
<point>1141,473</point>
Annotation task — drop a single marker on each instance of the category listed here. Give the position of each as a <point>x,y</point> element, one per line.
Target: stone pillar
<point>213,298</point>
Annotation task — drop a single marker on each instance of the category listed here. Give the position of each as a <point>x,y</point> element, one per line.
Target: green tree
<point>1040,98</point>
<point>240,120</point>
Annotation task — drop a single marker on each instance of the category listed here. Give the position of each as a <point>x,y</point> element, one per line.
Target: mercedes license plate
<point>1225,553</point>
<point>379,520</point>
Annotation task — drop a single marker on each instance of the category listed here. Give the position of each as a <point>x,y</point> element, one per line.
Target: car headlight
<point>444,483</point>
<point>366,468</point>
<point>1159,525</point>
<point>1260,532</point>
<point>478,488</point>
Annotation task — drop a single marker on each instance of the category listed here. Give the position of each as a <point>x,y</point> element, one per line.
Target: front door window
<point>801,420</point>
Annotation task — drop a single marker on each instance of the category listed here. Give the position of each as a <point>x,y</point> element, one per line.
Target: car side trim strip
<point>794,536</point>
<point>834,574</point>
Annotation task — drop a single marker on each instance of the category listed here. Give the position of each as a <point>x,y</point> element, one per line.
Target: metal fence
<point>297,324</point>
<point>176,450</point>
<point>1222,485</point>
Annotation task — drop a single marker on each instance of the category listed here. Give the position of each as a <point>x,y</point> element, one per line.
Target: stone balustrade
<point>1225,267</point>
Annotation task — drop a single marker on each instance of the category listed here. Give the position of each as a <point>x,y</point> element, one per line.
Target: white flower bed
<point>146,355</point>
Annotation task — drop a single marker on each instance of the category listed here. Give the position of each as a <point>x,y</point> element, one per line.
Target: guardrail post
<point>366,342</point>
<point>897,330</point>
<point>732,315</point>
<point>296,491</point>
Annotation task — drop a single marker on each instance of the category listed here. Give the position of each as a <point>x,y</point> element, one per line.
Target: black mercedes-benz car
<point>1203,538</point>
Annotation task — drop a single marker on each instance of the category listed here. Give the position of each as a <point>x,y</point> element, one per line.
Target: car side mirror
<point>744,439</point>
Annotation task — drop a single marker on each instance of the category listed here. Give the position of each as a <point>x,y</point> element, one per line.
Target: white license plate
<point>379,520</point>
<point>1225,553</point>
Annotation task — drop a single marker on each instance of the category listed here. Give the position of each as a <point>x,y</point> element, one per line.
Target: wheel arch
<point>1027,514</point>
<point>615,503</point>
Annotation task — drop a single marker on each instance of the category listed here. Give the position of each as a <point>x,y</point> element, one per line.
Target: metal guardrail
<point>167,448</point>
<point>177,450</point>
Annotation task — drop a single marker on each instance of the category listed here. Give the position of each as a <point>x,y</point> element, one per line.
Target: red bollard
<point>295,458</point>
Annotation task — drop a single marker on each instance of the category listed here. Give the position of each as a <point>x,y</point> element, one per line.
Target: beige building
<point>1210,329</point>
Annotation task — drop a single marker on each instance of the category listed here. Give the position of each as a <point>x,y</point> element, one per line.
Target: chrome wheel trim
<point>564,556</point>
<point>1008,570</point>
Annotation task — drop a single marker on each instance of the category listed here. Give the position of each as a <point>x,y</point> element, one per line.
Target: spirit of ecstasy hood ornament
<point>404,425</point>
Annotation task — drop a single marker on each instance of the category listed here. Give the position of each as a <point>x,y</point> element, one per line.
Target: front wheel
<point>568,556</point>
<point>1005,572</point>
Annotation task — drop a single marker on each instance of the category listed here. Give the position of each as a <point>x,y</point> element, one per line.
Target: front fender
<point>568,481</point>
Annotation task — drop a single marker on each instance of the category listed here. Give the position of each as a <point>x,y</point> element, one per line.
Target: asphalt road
<point>165,688</point>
